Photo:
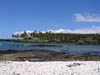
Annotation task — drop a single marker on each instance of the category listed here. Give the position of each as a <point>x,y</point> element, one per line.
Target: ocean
<point>66,48</point>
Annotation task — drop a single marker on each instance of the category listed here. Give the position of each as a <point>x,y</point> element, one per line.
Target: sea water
<point>66,48</point>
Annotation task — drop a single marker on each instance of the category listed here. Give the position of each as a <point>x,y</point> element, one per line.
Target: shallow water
<point>67,48</point>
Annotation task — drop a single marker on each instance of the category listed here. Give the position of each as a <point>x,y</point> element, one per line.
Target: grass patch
<point>25,40</point>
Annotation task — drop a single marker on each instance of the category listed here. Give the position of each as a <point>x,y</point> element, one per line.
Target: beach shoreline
<point>44,55</point>
<point>50,68</point>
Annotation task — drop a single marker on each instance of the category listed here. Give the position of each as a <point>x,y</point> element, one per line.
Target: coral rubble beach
<point>50,68</point>
<point>44,62</point>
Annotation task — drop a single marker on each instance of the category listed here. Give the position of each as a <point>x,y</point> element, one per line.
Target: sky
<point>43,15</point>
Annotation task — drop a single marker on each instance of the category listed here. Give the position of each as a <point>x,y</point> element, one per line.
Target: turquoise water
<point>67,48</point>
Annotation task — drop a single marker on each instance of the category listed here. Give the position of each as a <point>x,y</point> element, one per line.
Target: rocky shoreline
<point>44,55</point>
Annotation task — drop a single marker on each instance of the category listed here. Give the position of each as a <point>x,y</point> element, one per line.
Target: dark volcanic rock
<point>8,51</point>
<point>45,55</point>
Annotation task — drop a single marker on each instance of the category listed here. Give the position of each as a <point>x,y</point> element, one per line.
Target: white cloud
<point>92,30</point>
<point>27,31</point>
<point>61,31</point>
<point>87,17</point>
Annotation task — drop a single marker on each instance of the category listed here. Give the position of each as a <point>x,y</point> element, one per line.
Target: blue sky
<point>42,15</point>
